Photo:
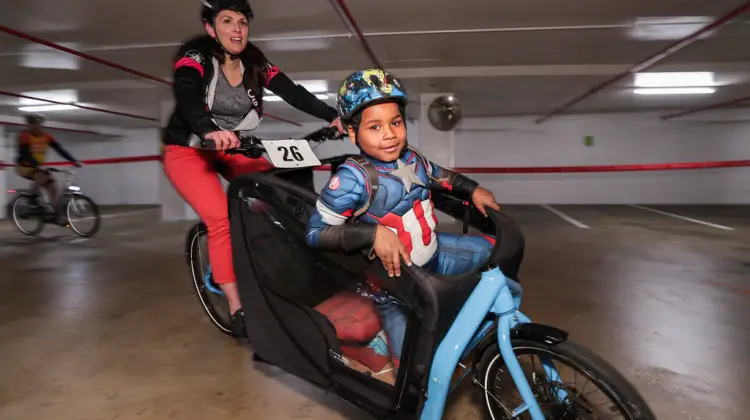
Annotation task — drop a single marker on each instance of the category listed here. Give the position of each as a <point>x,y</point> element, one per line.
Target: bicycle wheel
<point>80,205</point>
<point>623,398</point>
<point>23,207</point>
<point>209,294</point>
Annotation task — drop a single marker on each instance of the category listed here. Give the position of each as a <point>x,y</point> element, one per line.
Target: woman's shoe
<point>237,320</point>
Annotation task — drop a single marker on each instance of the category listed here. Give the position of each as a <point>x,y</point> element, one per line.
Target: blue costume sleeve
<point>345,193</point>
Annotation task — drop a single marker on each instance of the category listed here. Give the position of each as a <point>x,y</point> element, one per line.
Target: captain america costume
<point>402,202</point>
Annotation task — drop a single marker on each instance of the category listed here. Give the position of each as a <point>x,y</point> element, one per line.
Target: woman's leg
<point>192,173</point>
<point>238,164</point>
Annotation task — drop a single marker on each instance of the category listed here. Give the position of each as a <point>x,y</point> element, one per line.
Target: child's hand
<point>390,250</point>
<point>482,198</point>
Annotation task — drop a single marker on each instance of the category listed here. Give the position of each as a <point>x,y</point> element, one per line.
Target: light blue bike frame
<point>496,294</point>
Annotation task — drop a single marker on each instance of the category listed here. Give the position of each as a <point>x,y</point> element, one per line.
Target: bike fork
<point>511,362</point>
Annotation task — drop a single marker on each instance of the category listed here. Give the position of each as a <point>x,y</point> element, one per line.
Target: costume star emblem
<point>408,174</point>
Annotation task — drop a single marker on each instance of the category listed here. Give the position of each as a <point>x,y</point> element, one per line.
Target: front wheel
<point>603,393</point>
<point>25,207</point>
<point>83,215</point>
<point>209,294</point>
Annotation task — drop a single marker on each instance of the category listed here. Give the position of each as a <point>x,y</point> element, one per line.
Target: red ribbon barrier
<point>490,170</point>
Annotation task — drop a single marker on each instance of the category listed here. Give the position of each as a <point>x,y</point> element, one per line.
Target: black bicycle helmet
<point>34,118</point>
<point>211,8</point>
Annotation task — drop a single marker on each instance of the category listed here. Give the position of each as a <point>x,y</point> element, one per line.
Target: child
<point>395,210</point>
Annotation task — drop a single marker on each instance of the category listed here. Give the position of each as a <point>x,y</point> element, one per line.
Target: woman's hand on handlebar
<point>224,139</point>
<point>337,123</point>
<point>389,249</point>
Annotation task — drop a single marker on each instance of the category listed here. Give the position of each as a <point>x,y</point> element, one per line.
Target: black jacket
<point>196,69</point>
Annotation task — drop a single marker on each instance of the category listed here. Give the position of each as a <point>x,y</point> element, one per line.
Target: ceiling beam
<point>101,61</point>
<point>706,108</point>
<point>653,59</point>
<point>346,15</point>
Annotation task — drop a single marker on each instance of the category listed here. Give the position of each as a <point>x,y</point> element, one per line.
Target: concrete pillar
<point>173,207</point>
<point>6,157</point>
<point>435,144</point>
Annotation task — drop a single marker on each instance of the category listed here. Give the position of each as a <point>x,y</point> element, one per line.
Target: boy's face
<point>382,132</point>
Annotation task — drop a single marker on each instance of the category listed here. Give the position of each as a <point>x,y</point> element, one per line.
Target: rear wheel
<point>27,214</point>
<point>616,397</point>
<point>83,215</point>
<point>210,296</point>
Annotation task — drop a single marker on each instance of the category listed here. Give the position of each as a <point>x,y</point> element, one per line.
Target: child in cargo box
<point>398,219</point>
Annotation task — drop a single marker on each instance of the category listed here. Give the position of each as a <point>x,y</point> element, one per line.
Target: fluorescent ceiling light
<point>313,86</point>
<point>669,28</point>
<point>274,98</point>
<point>43,108</point>
<point>60,95</point>
<point>41,57</point>
<point>674,91</point>
<point>675,79</point>
<point>311,44</point>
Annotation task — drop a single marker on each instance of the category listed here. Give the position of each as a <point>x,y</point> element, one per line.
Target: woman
<point>218,88</point>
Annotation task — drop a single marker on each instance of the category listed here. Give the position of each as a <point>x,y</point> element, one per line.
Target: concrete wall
<point>506,142</point>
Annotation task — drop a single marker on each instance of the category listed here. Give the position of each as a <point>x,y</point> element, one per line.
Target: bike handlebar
<point>252,146</point>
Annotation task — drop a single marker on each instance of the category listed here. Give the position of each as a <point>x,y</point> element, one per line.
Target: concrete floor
<point>109,327</point>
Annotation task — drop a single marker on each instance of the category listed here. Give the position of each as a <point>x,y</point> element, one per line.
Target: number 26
<point>293,150</point>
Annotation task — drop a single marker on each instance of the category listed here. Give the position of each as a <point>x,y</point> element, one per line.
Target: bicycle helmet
<point>34,119</point>
<point>211,8</point>
<point>365,88</point>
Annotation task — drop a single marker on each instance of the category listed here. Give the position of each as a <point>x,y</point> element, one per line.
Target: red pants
<point>194,174</point>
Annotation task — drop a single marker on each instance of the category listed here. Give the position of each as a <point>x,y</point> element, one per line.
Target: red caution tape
<point>607,168</point>
<point>495,170</point>
<point>600,168</point>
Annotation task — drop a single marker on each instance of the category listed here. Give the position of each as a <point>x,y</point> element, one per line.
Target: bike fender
<point>539,333</point>
<point>199,227</point>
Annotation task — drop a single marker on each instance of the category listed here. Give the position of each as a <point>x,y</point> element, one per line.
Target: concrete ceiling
<point>499,57</point>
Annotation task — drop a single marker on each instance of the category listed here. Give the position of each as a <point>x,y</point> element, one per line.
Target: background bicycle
<point>30,209</point>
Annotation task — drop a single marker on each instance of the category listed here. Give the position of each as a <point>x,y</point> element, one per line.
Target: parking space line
<point>677,216</point>
<point>565,217</point>
<point>10,226</point>
<point>127,213</point>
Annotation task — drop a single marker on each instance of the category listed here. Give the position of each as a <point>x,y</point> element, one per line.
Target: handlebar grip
<point>208,144</point>
<point>324,133</point>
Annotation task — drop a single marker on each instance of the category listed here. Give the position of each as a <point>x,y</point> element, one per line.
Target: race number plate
<point>290,153</point>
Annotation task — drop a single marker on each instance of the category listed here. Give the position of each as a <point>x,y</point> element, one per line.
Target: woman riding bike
<point>219,79</point>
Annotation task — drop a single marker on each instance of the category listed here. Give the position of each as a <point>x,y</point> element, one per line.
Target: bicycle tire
<point>191,250</point>
<point>597,370</point>
<point>93,206</point>
<point>13,208</point>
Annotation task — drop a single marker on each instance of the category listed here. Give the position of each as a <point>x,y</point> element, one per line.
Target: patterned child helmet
<point>368,87</point>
